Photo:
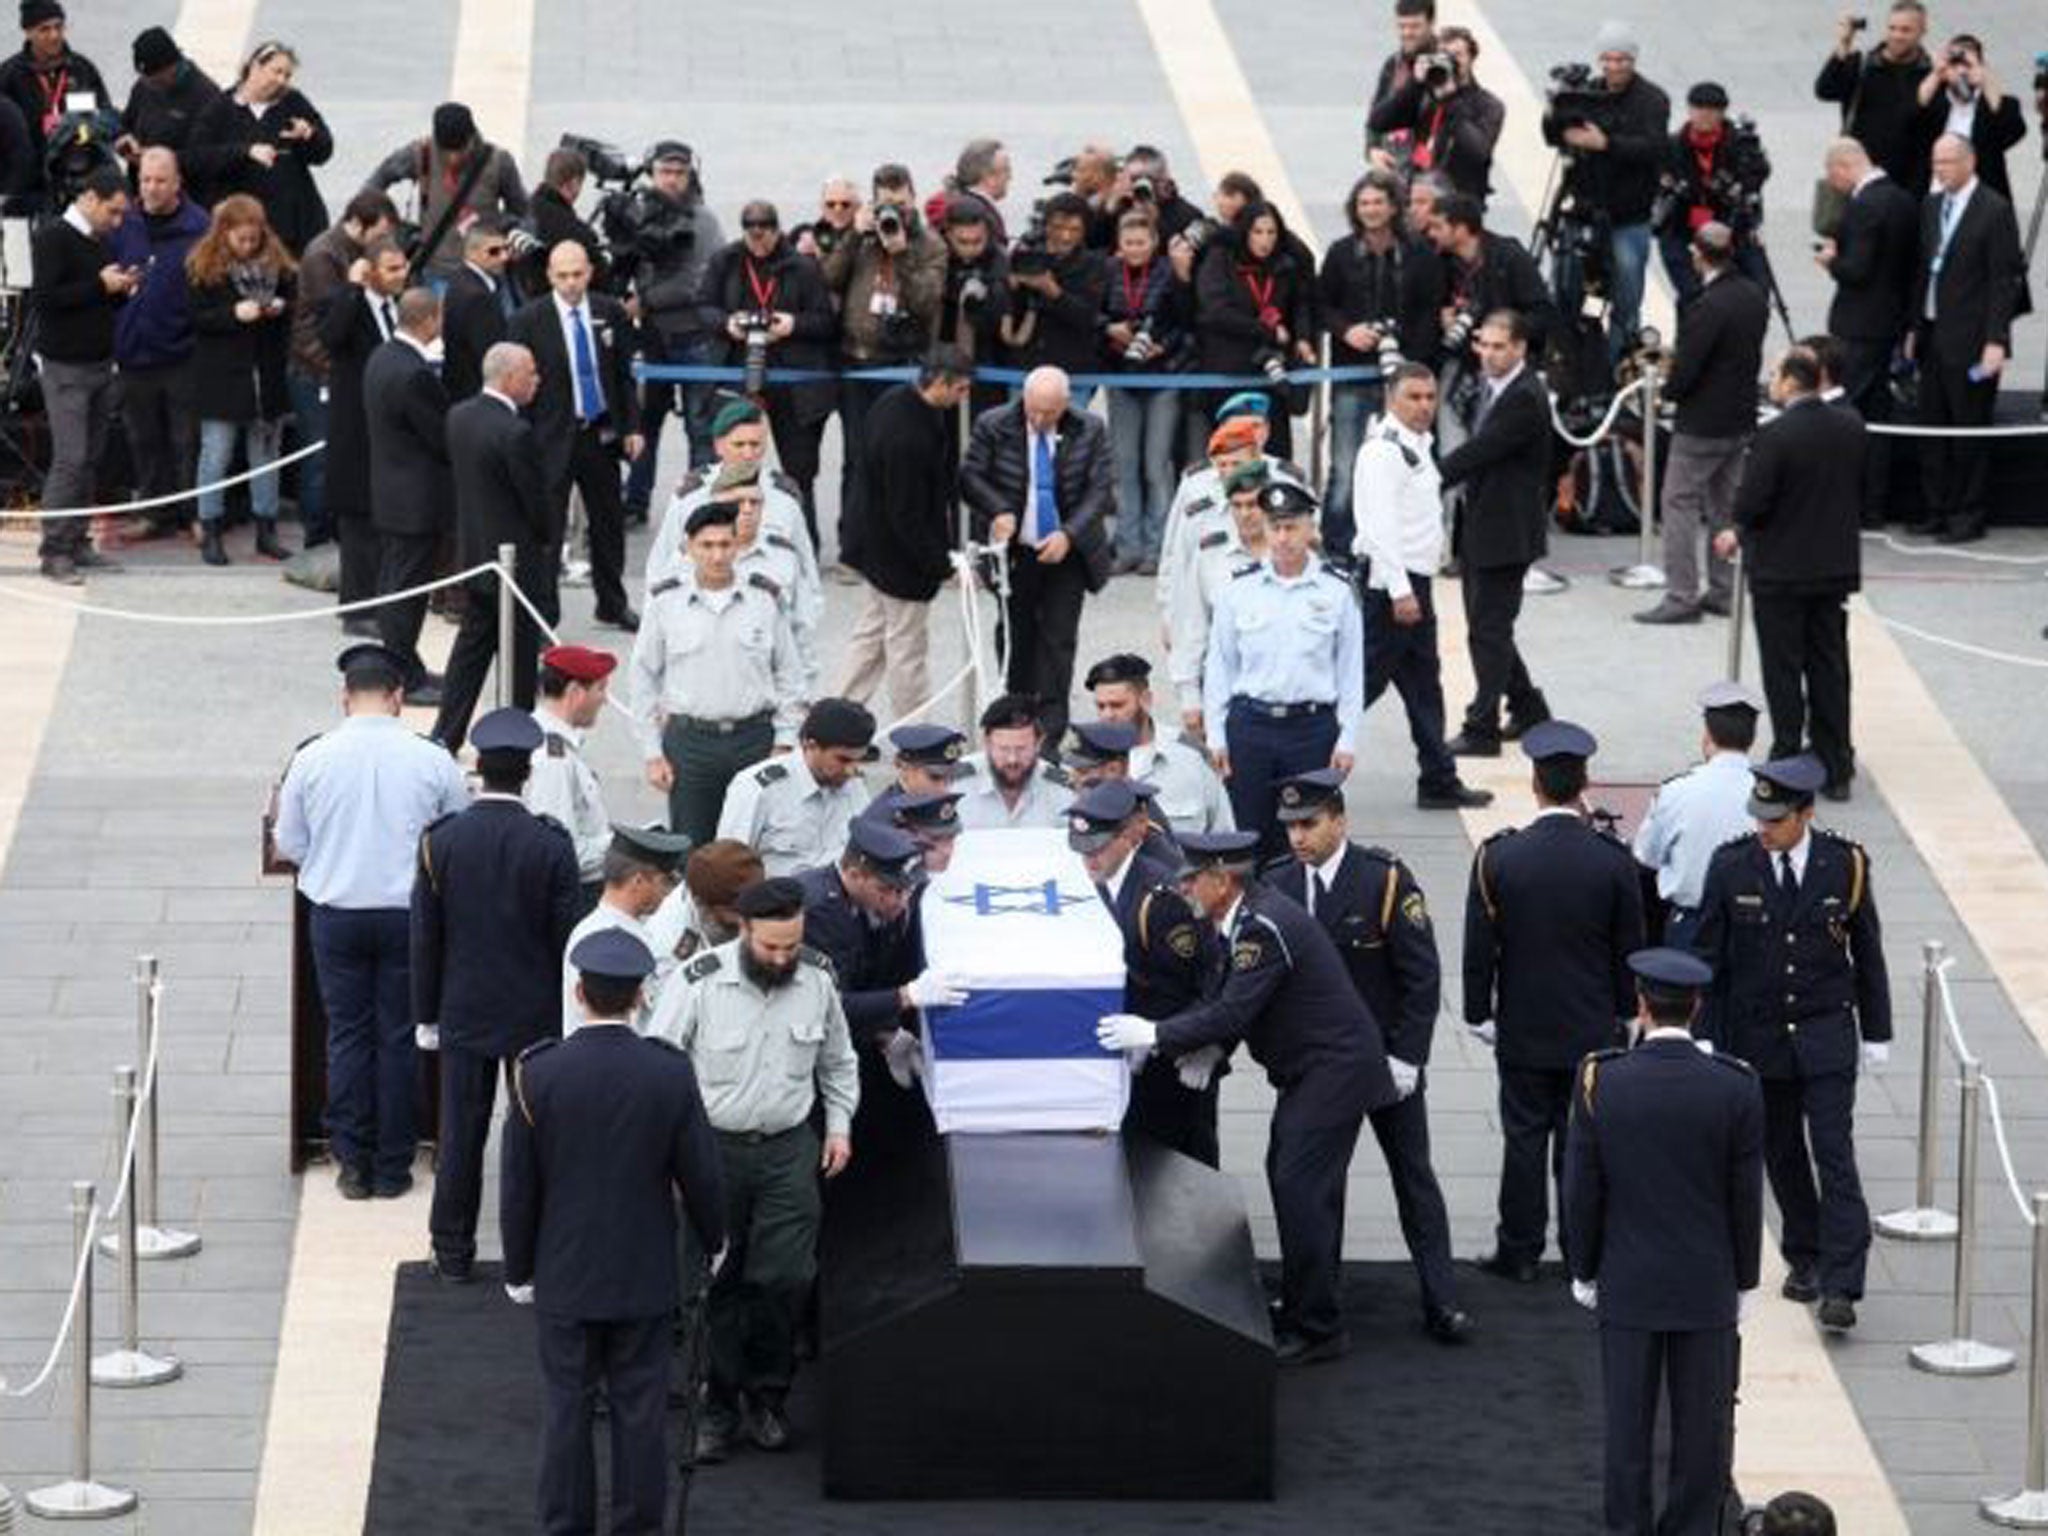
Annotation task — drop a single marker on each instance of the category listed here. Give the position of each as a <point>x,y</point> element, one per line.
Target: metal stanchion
<point>78,1497</point>
<point>1924,1221</point>
<point>1319,424</point>
<point>151,1240</point>
<point>1738,594</point>
<point>1960,1354</point>
<point>1646,573</point>
<point>508,617</point>
<point>2027,1510</point>
<point>130,1365</point>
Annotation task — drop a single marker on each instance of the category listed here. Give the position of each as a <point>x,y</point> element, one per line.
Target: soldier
<point>1219,554</point>
<point>794,810</point>
<point>607,1134</point>
<point>1551,916</point>
<point>1799,1027</point>
<point>771,562</point>
<point>1007,783</point>
<point>493,902</point>
<point>761,1021</point>
<point>1375,913</point>
<point>1285,994</point>
<point>1198,504</point>
<point>928,758</point>
<point>1697,811</point>
<point>641,868</point>
<point>739,437</point>
<point>1191,797</point>
<point>699,914</point>
<point>1664,1201</point>
<point>574,684</point>
<point>1098,751</point>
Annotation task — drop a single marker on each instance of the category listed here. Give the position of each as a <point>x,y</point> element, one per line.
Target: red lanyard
<point>1134,293</point>
<point>1269,317</point>
<point>1425,154</point>
<point>764,293</point>
<point>53,88</point>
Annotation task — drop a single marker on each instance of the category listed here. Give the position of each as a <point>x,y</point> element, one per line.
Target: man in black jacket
<point>1039,486</point>
<point>1414,35</point>
<point>1960,90</point>
<point>1713,380</point>
<point>977,295</point>
<point>477,306</point>
<point>1713,173</point>
<point>356,322</point>
<point>675,237</point>
<point>410,490</point>
<point>169,93</point>
<point>1484,272</point>
<point>1452,122</point>
<point>41,80</point>
<point>1056,293</point>
<point>1879,90</point>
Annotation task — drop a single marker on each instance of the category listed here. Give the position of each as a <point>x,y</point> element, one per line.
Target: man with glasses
<point>479,302</point>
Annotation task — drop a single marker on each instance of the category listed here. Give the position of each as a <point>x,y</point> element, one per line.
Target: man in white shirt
<point>642,867</point>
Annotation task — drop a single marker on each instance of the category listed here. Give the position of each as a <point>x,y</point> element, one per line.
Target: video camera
<point>1575,95</point>
<point>641,228</point>
<point>80,144</point>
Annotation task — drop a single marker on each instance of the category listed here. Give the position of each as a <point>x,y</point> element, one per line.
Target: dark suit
<point>584,455</point>
<point>412,496</point>
<point>1376,915</point>
<point>1169,957</point>
<point>474,314</point>
<point>1551,915</point>
<point>605,1132</point>
<point>350,332</point>
<point>1991,135</point>
<point>500,498</point>
<point>1664,1202</point>
<point>1502,526</point>
<point>1876,246</point>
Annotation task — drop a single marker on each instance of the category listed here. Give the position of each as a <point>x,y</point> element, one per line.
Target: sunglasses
<point>752,225</point>
<point>839,202</point>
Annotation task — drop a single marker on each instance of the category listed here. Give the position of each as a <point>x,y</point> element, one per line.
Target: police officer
<point>1008,783</point>
<point>1191,797</point>
<point>1236,543</point>
<point>928,757</point>
<point>349,815</point>
<point>1283,684</point>
<point>1551,916</point>
<point>1285,994</point>
<point>761,1021</point>
<point>1664,1204</point>
<point>1168,956</point>
<point>493,901</point>
<point>794,810</point>
<point>574,683</point>
<point>1788,921</point>
<point>933,819</point>
<point>1097,751</point>
<point>641,868</point>
<point>1368,902</point>
<point>606,1134</point>
<point>1697,811</point>
<point>715,677</point>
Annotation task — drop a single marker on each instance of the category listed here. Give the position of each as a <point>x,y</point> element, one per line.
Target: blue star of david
<point>1045,898</point>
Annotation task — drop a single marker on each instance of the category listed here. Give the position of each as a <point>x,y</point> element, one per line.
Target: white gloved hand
<point>1745,1303</point>
<point>427,1036</point>
<point>520,1295</point>
<point>1587,1294</point>
<point>1483,1033</point>
<point>1197,1067</point>
<point>935,989</point>
<point>904,1053</point>
<point>1407,1077</point>
<point>1125,1032</point>
<point>1876,1053</point>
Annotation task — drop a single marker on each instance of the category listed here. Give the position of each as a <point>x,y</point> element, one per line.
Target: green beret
<point>1246,477</point>
<point>734,413</point>
<point>731,475</point>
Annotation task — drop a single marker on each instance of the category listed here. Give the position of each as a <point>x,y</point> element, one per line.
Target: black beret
<point>775,898</point>
<point>1124,667</point>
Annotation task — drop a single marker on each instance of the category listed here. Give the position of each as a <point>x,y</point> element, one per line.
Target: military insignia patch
<point>1244,957</point>
<point>1415,909</point>
<point>1183,941</point>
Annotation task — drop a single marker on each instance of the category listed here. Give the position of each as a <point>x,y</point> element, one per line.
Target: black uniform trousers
<point>1266,744</point>
<point>705,757</point>
<point>1955,472</point>
<point>1041,627</point>
<point>1701,1369</point>
<point>469,1097</point>
<point>1535,1110</point>
<point>1867,385</point>
<point>163,436</point>
<point>1170,1113</point>
<point>594,470</point>
<point>1308,1157</point>
<point>362,963</point>
<point>1493,601</point>
<point>361,554</point>
<point>1405,656</point>
<point>476,643</point>
<point>409,559</point>
<point>1402,1130</point>
<point>1809,1129</point>
<point>1802,642</point>
<point>628,1359</point>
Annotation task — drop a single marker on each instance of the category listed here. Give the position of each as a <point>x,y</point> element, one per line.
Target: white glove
<point>1876,1053</point>
<point>427,1036</point>
<point>1483,1033</point>
<point>1745,1303</point>
<point>904,1053</point>
<point>1587,1294</point>
<point>1407,1078</point>
<point>520,1295</point>
<point>935,989</point>
<point>1197,1067</point>
<point>1125,1032</point>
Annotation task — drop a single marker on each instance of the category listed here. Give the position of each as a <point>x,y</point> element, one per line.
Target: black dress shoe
<point>360,626</point>
<point>391,1190</point>
<point>767,1426</point>
<point>1800,1286</point>
<point>352,1184</point>
<point>1300,1349</point>
<point>1837,1314</point>
<point>454,1271</point>
<point>1448,1325</point>
<point>1506,1267</point>
<point>1957,530</point>
<point>622,618</point>
<point>1459,797</point>
<point>267,544</point>
<point>1836,790</point>
<point>1467,744</point>
<point>90,559</point>
<point>714,1442</point>
<point>62,570</point>
<point>1924,527</point>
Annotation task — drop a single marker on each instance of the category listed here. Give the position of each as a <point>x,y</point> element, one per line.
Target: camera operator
<point>457,176</point>
<point>1714,174</point>
<point>1485,272</point>
<point>1056,286</point>
<point>41,80</point>
<point>1414,36</point>
<point>1879,90</point>
<point>1614,141</point>
<point>554,219</point>
<point>1146,311</point>
<point>1961,95</point>
<point>977,293</point>
<point>1255,310</point>
<point>1379,273</point>
<point>1453,121</point>
<point>838,205</point>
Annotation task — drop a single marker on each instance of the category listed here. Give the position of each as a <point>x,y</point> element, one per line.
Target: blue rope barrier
<point>705,373</point>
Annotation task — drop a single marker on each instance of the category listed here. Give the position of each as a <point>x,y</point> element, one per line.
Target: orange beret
<point>1238,432</point>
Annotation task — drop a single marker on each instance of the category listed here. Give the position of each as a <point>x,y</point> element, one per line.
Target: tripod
<point>1777,294</point>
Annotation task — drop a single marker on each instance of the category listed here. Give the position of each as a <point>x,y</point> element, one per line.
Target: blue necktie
<point>1045,512</point>
<point>589,393</point>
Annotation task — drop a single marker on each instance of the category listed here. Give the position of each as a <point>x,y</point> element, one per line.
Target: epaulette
<point>1673,778</point>
<point>1340,566</point>
<point>769,773</point>
<point>1496,836</point>
<point>820,959</point>
<point>702,966</point>
<point>1245,570</point>
<point>558,746</point>
<point>1193,469</point>
<point>1374,851</point>
<point>1214,538</point>
<point>307,742</point>
<point>785,484</point>
<point>438,821</point>
<point>1055,774</point>
<point>666,584</point>
<point>767,584</point>
<point>1199,504</point>
<point>1589,1071</point>
<point>694,481</point>
<point>1733,1061</point>
<point>780,541</point>
<point>1859,866</point>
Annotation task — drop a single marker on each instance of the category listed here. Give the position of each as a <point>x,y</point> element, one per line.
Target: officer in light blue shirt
<point>349,815</point>
<point>1697,811</point>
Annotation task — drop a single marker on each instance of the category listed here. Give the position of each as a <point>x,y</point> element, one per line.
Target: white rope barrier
<point>22,594</point>
<point>1952,1027</point>
<point>1943,552</point>
<point>914,714</point>
<point>49,514</point>
<point>1908,429</point>
<point>1606,422</point>
<point>1965,647</point>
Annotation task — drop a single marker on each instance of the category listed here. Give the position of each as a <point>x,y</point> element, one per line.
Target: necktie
<point>1788,883</point>
<point>506,303</point>
<point>1318,893</point>
<point>1948,217</point>
<point>589,393</point>
<point>1045,512</point>
<point>387,318</point>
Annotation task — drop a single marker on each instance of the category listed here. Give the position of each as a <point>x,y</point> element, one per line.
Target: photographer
<point>554,219</point>
<point>838,206</point>
<point>1145,181</point>
<point>1056,286</point>
<point>1714,174</point>
<point>1144,320</point>
<point>1879,90</point>
<point>1961,95</point>
<point>1453,122</point>
<point>1485,272</point>
<point>977,293</point>
<point>1255,310</point>
<point>40,79</point>
<point>1414,36</point>
<point>457,176</point>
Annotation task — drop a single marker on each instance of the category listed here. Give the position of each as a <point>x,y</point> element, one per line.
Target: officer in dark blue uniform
<point>494,900</point>
<point>1096,751</point>
<point>1169,956</point>
<point>1789,922</point>
<point>927,757</point>
<point>606,1130</point>
<point>1553,911</point>
<point>932,817</point>
<point>1285,994</point>
<point>1663,1201</point>
<point>1368,902</point>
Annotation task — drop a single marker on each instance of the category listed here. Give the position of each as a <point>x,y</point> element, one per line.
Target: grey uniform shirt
<point>786,816</point>
<point>1044,802</point>
<point>1191,796</point>
<point>723,655</point>
<point>1198,507</point>
<point>1218,555</point>
<point>564,785</point>
<point>600,919</point>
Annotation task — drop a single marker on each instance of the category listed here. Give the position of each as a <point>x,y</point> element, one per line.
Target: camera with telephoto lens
<point>1576,93</point>
<point>754,339</point>
<point>892,221</point>
<point>1435,70</point>
<point>1858,23</point>
<point>1458,334</point>
<point>1388,349</point>
<point>1144,191</point>
<point>973,293</point>
<point>80,144</point>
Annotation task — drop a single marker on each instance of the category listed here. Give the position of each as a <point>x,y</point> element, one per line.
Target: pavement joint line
<point>214,34</point>
<point>493,70</point>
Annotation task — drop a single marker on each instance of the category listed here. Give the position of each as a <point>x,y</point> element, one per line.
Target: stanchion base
<point>79,1501</point>
<point>1920,1224</point>
<point>2026,1510</point>
<point>153,1243</point>
<point>135,1368</point>
<point>1961,1357</point>
<point>1637,578</point>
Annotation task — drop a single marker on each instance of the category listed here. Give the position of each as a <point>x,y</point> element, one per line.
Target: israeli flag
<point>1017,920</point>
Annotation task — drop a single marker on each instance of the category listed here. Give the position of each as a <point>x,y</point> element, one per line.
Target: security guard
<point>1008,783</point>
<point>1191,797</point>
<point>761,1021</point>
<point>1235,545</point>
<point>1551,916</point>
<point>642,867</point>
<point>932,819</point>
<point>739,437</point>
<point>699,914</point>
<point>771,562</point>
<point>928,757</point>
<point>794,810</point>
<point>606,1134</point>
<point>1697,811</point>
<point>1664,1204</point>
<point>1284,683</point>
<point>1168,957</point>
<point>349,815</point>
<point>574,683</point>
<point>715,678</point>
<point>1285,994</point>
<point>493,901</point>
<point>1368,902</point>
<point>1198,506</point>
<point>1789,923</point>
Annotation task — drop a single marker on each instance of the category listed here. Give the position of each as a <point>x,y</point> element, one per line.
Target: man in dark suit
<point>1375,913</point>
<point>1038,480</point>
<point>1505,466</point>
<point>356,322</point>
<point>477,307</point>
<point>606,1131</point>
<point>1965,293</point>
<point>500,498</point>
<point>1551,915</point>
<point>1664,1201</point>
<point>1796,519</point>
<point>586,413</point>
<point>494,899</point>
<point>1961,87</point>
<point>406,411</point>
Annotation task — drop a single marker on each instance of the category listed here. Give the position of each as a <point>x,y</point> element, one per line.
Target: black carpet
<point>1403,1436</point>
